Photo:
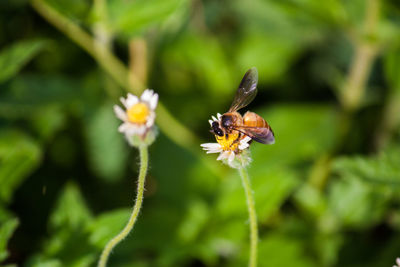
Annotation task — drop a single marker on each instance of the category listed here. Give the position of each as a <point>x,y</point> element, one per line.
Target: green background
<point>327,193</point>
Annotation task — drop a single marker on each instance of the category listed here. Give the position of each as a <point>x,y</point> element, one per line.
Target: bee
<point>250,124</point>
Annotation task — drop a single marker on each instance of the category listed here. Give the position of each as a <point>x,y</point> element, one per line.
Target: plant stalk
<point>144,160</point>
<point>252,216</point>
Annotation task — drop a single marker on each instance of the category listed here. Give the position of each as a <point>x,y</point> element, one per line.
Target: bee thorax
<point>226,121</point>
<point>229,120</point>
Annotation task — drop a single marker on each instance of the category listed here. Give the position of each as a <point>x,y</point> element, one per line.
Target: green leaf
<point>281,250</point>
<point>311,200</point>
<point>360,198</point>
<point>14,57</point>
<point>7,228</point>
<point>31,93</point>
<point>302,132</point>
<point>130,17</point>
<point>383,169</point>
<point>69,238</point>
<point>272,65</point>
<point>106,226</point>
<point>106,146</point>
<point>40,262</point>
<point>71,211</point>
<point>357,204</point>
<point>203,58</point>
<point>19,156</point>
<point>195,219</point>
<point>48,120</point>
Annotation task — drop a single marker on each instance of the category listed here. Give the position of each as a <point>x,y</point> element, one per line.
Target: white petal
<point>131,100</point>
<point>123,127</point>
<point>150,122</point>
<point>214,119</point>
<point>211,122</point>
<point>243,146</point>
<point>398,261</point>
<point>231,156</point>
<point>223,155</point>
<point>219,115</point>
<point>244,143</point>
<point>153,101</point>
<point>209,146</point>
<point>140,130</point>
<point>246,139</point>
<point>133,129</point>
<point>120,113</point>
<point>214,151</point>
<point>146,95</point>
<point>150,119</point>
<point>123,101</point>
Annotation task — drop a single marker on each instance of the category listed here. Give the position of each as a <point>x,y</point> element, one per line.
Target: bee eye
<point>216,130</point>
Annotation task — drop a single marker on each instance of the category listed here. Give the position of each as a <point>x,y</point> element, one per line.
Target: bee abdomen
<point>254,120</point>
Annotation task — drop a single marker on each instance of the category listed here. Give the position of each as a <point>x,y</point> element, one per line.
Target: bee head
<point>216,129</point>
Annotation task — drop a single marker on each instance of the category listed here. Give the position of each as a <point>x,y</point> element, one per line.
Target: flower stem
<point>252,215</point>
<point>144,159</point>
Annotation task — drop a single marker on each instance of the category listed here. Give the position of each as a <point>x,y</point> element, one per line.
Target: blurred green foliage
<point>327,193</point>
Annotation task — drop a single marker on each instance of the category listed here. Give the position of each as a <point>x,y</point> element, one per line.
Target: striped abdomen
<point>254,120</point>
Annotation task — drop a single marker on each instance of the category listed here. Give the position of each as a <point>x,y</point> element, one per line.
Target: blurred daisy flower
<point>397,263</point>
<point>233,148</point>
<point>138,117</point>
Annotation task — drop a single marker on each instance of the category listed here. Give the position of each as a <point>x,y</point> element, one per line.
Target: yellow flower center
<point>138,113</point>
<point>228,142</point>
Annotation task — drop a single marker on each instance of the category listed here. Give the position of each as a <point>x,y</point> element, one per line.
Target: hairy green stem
<point>252,216</point>
<point>144,160</point>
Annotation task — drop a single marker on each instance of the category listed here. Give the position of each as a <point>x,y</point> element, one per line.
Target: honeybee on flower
<point>234,132</point>
<point>229,146</point>
<point>138,117</point>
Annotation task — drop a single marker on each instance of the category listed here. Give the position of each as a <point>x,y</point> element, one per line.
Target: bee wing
<point>262,135</point>
<point>247,90</point>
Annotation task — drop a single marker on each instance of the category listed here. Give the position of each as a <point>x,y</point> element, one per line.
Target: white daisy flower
<point>231,147</point>
<point>397,263</point>
<point>139,114</point>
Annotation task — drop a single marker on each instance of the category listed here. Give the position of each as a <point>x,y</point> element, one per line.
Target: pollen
<point>228,142</point>
<point>138,113</point>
